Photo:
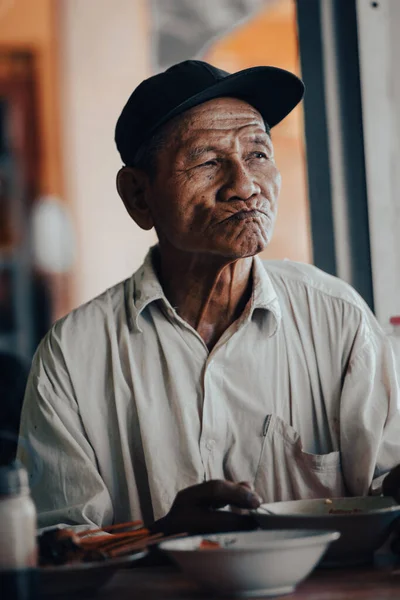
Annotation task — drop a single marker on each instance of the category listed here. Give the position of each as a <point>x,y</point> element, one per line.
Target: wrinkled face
<point>216,186</point>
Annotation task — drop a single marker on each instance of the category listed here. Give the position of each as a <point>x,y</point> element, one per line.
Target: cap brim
<point>273,92</point>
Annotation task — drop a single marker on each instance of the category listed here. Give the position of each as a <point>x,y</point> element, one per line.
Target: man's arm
<point>370,412</point>
<point>65,483</point>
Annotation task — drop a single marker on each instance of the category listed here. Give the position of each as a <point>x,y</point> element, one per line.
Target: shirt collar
<point>144,288</point>
<point>264,296</point>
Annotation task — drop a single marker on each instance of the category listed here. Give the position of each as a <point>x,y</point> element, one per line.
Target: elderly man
<point>209,371</point>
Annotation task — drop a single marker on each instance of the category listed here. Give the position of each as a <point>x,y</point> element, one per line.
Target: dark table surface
<point>166,583</point>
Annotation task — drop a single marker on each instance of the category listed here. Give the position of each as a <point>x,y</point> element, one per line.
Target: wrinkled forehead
<point>220,118</point>
<point>222,113</point>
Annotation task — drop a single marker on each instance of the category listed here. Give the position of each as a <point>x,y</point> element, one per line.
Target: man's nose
<point>240,183</point>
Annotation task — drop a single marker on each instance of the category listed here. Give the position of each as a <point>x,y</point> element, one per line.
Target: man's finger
<point>205,522</point>
<point>223,521</point>
<point>247,485</point>
<point>217,494</point>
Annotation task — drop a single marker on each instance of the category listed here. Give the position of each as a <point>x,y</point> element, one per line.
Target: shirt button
<point>210,444</point>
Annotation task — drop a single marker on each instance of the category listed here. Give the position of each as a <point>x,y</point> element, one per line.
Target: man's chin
<point>236,252</point>
<point>227,248</point>
<point>251,240</point>
<point>246,246</point>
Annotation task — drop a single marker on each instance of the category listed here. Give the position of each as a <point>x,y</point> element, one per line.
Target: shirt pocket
<point>286,472</point>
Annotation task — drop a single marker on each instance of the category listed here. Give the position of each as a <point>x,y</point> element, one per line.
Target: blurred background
<point>66,70</point>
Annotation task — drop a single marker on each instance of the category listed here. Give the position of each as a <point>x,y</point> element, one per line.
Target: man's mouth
<point>245,214</point>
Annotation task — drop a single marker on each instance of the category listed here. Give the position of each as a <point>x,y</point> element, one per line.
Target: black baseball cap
<point>273,92</point>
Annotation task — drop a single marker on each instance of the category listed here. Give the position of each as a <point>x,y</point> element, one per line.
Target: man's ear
<point>132,186</point>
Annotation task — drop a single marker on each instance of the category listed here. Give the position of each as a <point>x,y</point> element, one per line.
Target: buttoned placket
<point>213,420</point>
<point>213,417</point>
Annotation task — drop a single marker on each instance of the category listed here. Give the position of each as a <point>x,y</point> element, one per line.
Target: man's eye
<point>209,163</point>
<point>258,155</point>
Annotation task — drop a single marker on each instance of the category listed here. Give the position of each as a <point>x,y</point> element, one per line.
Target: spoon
<point>264,510</point>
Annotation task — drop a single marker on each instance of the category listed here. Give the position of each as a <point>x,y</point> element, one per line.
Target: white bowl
<point>256,563</point>
<point>364,523</point>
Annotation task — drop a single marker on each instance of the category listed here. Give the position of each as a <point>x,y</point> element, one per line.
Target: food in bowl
<point>209,545</point>
<point>343,511</point>
<point>364,522</point>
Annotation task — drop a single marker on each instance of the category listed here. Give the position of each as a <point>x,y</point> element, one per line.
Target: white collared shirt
<point>125,403</point>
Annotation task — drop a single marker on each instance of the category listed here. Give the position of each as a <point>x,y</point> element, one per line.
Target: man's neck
<point>208,292</point>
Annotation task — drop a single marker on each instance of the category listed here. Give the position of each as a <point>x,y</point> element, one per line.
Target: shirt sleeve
<point>369,411</point>
<point>65,482</point>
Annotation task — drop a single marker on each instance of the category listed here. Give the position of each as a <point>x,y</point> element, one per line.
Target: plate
<point>76,578</point>
<point>364,523</point>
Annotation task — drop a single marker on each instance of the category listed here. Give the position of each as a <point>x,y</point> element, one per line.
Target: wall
<point>30,25</point>
<point>104,54</point>
<point>379,41</point>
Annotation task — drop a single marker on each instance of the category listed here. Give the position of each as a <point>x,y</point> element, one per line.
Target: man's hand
<point>195,509</point>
